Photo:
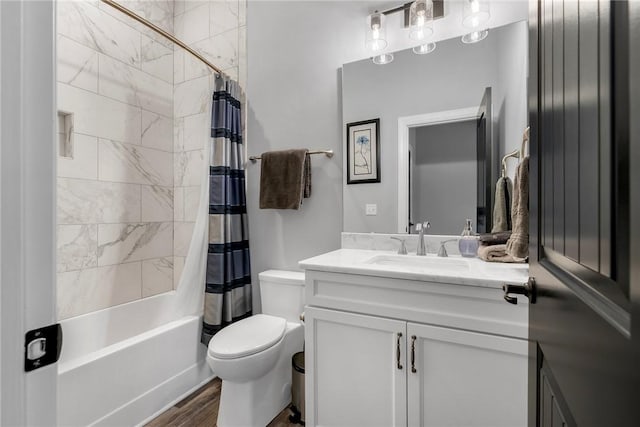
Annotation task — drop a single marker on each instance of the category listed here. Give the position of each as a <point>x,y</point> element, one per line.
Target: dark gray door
<point>584,203</point>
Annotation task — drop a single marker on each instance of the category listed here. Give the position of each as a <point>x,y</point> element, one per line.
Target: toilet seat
<point>248,336</point>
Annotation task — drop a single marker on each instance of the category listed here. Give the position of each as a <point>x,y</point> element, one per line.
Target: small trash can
<point>297,388</point>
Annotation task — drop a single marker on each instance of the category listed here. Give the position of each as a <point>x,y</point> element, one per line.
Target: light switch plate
<point>371,209</point>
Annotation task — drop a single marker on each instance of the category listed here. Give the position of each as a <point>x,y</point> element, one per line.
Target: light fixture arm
<point>438,10</point>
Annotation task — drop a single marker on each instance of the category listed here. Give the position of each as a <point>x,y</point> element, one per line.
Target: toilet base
<point>255,403</point>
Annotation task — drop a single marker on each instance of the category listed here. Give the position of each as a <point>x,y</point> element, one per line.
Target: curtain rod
<point>328,153</point>
<point>160,31</point>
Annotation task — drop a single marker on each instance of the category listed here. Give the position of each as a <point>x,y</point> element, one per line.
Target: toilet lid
<point>247,337</point>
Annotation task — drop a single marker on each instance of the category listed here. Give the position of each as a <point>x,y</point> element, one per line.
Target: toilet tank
<point>282,293</point>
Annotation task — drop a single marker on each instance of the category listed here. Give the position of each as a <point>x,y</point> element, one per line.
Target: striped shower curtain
<point>228,281</point>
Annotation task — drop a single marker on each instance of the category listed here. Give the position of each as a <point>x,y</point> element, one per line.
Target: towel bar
<point>328,153</point>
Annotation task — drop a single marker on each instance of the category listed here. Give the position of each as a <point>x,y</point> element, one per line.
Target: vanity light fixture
<point>421,19</point>
<point>376,32</point>
<point>424,48</point>
<point>418,17</point>
<point>475,36</point>
<point>382,59</point>
<point>475,15</point>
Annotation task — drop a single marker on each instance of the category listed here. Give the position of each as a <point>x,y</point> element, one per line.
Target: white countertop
<point>453,269</point>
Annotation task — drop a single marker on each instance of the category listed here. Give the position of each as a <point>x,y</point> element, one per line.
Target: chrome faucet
<point>421,227</point>
<point>403,247</point>
<point>442,252</point>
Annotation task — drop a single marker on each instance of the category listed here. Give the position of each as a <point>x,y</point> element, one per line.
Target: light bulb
<point>475,13</point>
<point>421,19</point>
<point>375,32</point>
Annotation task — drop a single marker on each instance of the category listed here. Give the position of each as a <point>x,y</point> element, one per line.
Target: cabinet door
<point>356,372</point>
<point>460,378</point>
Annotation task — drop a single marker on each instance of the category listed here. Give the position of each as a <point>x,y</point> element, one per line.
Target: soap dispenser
<point>468,243</point>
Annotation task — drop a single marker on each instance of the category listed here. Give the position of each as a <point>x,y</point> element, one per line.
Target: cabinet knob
<point>528,290</point>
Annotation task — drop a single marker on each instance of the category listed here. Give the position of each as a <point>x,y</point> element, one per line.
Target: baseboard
<point>160,398</point>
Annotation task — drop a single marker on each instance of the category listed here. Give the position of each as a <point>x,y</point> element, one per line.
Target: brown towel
<point>518,244</point>
<point>502,205</point>
<point>307,177</point>
<point>499,238</point>
<point>285,178</point>
<point>495,253</point>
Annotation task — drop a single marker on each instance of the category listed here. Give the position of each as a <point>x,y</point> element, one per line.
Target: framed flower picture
<point>363,152</point>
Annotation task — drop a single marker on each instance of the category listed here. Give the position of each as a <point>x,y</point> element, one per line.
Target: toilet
<point>252,357</point>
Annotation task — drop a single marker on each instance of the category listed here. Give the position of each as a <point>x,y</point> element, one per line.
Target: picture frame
<point>363,152</point>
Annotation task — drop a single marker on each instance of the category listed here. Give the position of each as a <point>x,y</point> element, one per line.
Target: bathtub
<point>124,365</point>
<point>133,372</point>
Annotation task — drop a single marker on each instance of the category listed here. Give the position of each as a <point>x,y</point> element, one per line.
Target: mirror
<point>445,121</point>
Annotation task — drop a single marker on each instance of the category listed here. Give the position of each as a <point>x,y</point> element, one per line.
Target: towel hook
<point>515,154</point>
<point>525,143</point>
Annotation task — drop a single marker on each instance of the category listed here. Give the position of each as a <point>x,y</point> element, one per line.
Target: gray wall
<point>445,176</point>
<point>512,74</point>
<point>295,52</point>
<point>454,76</point>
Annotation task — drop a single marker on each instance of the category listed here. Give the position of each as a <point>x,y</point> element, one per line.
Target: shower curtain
<point>228,279</point>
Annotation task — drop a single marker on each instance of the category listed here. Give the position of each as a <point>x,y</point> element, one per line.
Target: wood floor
<point>200,409</point>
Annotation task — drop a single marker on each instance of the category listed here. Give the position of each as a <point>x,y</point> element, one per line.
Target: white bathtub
<point>120,372</point>
<point>126,364</point>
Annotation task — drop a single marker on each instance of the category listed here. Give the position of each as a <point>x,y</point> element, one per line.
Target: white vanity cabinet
<point>465,378</point>
<point>353,361</point>
<point>394,352</point>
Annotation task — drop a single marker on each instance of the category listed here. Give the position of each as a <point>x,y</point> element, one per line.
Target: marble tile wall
<point>129,196</point>
<point>217,30</point>
<point>115,195</point>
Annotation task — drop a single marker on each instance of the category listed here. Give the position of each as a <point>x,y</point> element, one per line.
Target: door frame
<point>404,124</point>
<point>27,205</point>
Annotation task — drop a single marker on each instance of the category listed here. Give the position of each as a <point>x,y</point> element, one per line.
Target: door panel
<point>554,411</point>
<point>571,126</point>
<point>461,378</point>
<point>346,348</point>
<point>584,360</point>
<point>588,134</point>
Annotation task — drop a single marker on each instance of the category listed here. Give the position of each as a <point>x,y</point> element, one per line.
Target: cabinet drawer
<point>474,308</point>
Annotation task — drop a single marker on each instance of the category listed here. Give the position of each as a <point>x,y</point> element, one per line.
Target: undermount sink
<point>420,262</point>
